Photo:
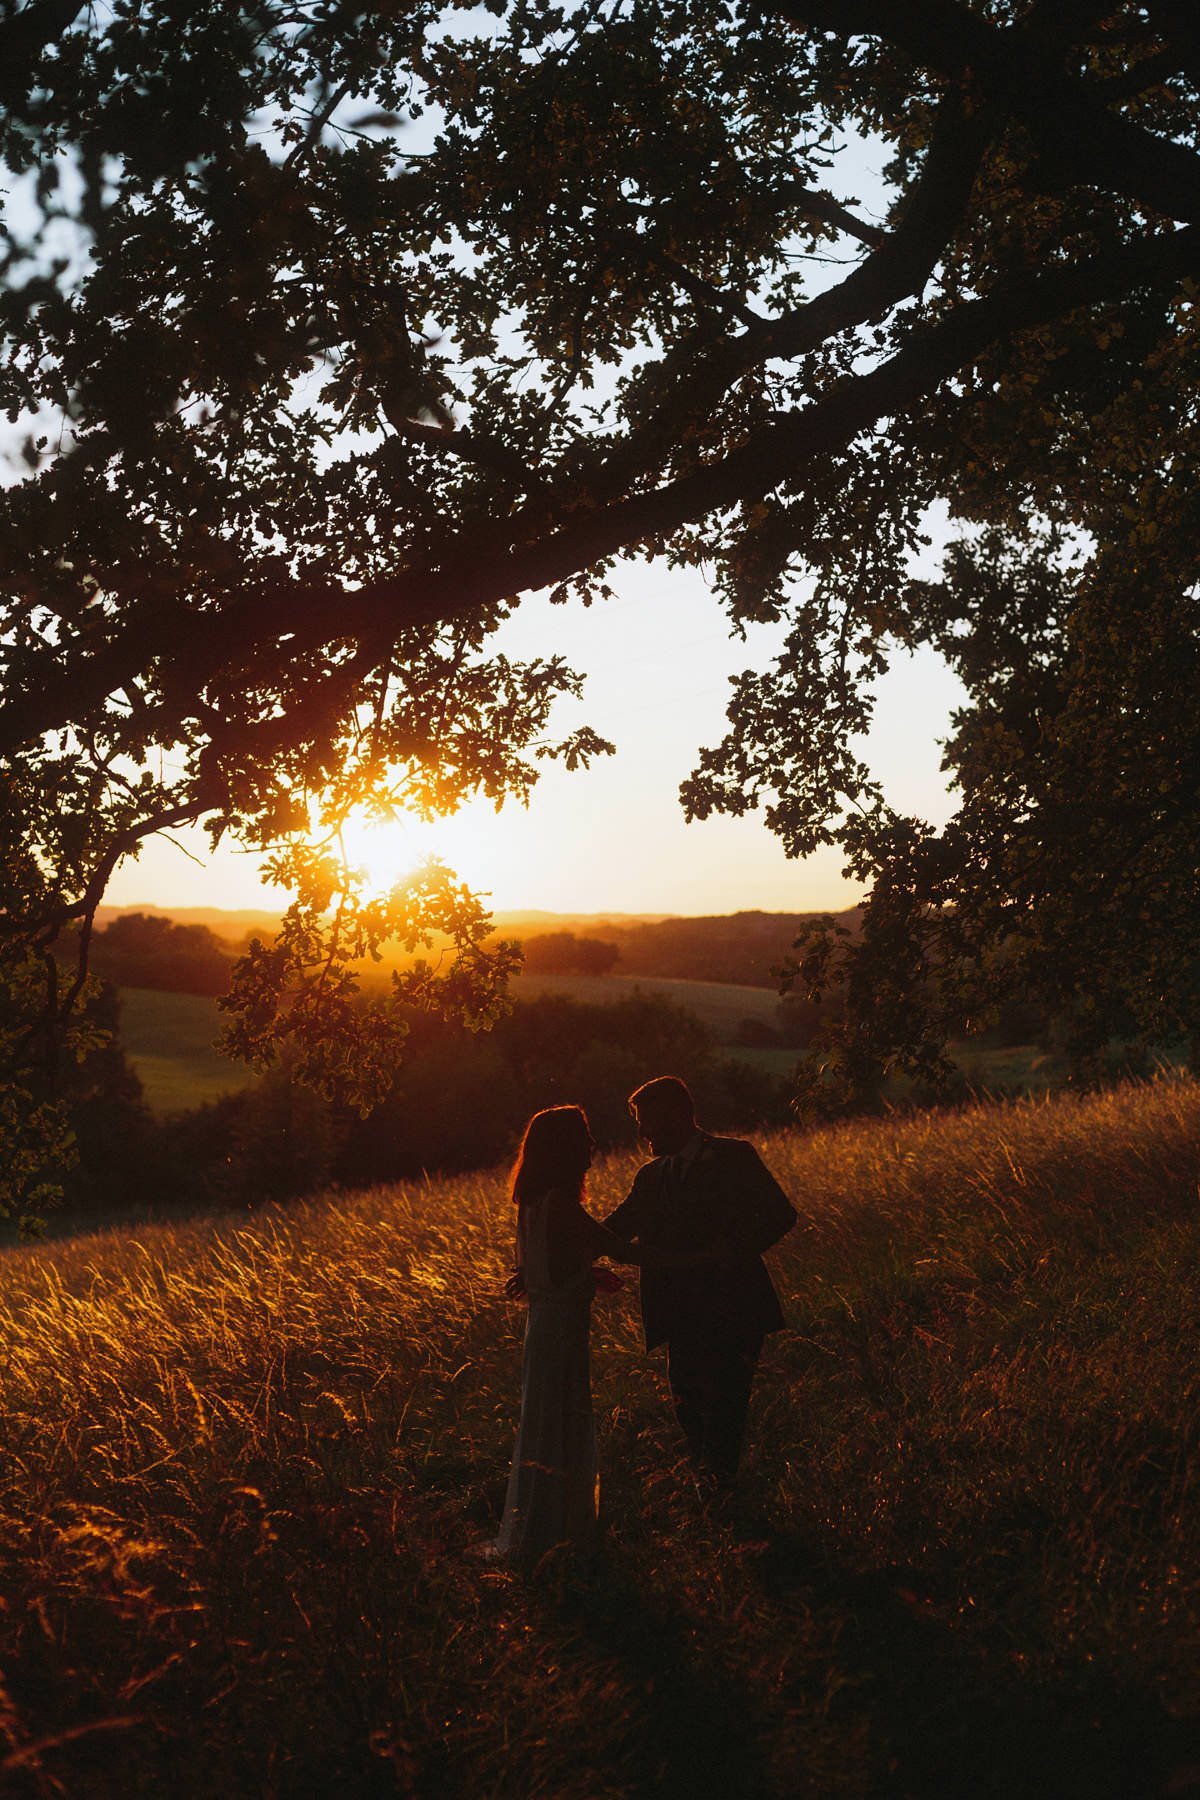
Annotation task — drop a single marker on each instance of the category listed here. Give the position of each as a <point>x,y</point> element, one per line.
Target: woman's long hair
<point>555,1153</point>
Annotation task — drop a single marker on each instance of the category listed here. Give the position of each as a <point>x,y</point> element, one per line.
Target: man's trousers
<point>710,1379</point>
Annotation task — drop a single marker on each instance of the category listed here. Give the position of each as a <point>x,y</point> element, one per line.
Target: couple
<point>696,1222</point>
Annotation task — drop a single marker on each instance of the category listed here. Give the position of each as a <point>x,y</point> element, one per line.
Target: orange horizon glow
<point>611,839</point>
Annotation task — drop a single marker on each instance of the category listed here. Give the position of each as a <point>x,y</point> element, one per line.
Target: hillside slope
<point>245,1462</point>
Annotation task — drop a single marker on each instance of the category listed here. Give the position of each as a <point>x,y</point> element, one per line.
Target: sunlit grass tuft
<point>243,1462</point>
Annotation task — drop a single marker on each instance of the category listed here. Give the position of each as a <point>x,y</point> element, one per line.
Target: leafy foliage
<point>303,992</point>
<point>333,331</point>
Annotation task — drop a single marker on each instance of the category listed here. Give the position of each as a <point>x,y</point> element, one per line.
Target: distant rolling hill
<point>236,924</point>
<point>233,926</point>
<point>743,948</point>
<point>739,949</point>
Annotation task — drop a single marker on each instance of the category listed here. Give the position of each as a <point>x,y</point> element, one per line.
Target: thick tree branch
<point>897,269</point>
<point>470,447</point>
<point>779,451</point>
<point>1179,23</point>
<point>820,205</point>
<point>200,640</point>
<point>1065,116</point>
<point>297,615</point>
<point>1152,71</point>
<point>24,37</point>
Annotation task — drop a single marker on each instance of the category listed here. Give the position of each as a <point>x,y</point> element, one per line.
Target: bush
<point>118,1164</point>
<point>562,953</point>
<point>284,1141</point>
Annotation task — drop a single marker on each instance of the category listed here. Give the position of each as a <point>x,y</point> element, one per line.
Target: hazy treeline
<point>566,953</point>
<point>147,951</point>
<point>745,948</point>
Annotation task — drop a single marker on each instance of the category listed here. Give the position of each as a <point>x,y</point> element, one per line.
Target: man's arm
<point>604,1242</point>
<point>762,1213</point>
<point>628,1221</point>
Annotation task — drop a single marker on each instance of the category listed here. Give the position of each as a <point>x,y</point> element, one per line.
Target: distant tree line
<point>744,948</point>
<point>750,949</point>
<point>144,950</point>
<point>564,953</point>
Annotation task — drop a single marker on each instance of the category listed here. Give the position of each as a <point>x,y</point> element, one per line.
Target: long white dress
<point>551,1496</point>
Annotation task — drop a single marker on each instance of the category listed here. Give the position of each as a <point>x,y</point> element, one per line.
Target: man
<point>715,1195</point>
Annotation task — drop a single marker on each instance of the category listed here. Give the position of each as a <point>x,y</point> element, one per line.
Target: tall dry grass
<point>243,1463</point>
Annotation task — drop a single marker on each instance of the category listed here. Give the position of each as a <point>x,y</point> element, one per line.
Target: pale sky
<point>613,838</point>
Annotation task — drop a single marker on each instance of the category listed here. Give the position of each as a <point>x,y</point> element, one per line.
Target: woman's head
<point>555,1152</point>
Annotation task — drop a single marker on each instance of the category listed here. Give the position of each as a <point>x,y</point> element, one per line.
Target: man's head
<point>665,1113</point>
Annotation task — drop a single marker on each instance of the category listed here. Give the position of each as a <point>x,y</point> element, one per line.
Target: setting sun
<point>387,850</point>
<point>475,842</point>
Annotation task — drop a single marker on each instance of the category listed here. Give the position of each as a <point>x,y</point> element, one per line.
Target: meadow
<point>169,1037</point>
<point>169,1040</point>
<point>246,1462</point>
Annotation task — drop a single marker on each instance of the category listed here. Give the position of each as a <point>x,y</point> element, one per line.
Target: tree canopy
<point>332,330</point>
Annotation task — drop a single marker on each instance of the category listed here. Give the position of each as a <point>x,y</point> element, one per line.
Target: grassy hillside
<point>726,947</point>
<point>245,1462</point>
<point>169,1040</point>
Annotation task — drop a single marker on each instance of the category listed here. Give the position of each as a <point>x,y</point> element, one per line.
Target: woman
<point>551,1495</point>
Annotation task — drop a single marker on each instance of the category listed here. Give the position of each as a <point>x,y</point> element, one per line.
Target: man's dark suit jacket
<point>726,1195</point>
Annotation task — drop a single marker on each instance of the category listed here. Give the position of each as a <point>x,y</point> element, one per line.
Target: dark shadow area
<point>695,1735</point>
<point>691,1732</point>
<point>949,1719</point>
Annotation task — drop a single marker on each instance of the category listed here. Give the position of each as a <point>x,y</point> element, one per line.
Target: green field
<point>247,1463</point>
<point>169,1039</point>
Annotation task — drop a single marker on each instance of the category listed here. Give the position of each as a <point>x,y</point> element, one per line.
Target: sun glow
<point>387,851</point>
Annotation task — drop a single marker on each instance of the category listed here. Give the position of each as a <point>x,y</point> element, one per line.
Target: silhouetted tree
<point>311,394</point>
